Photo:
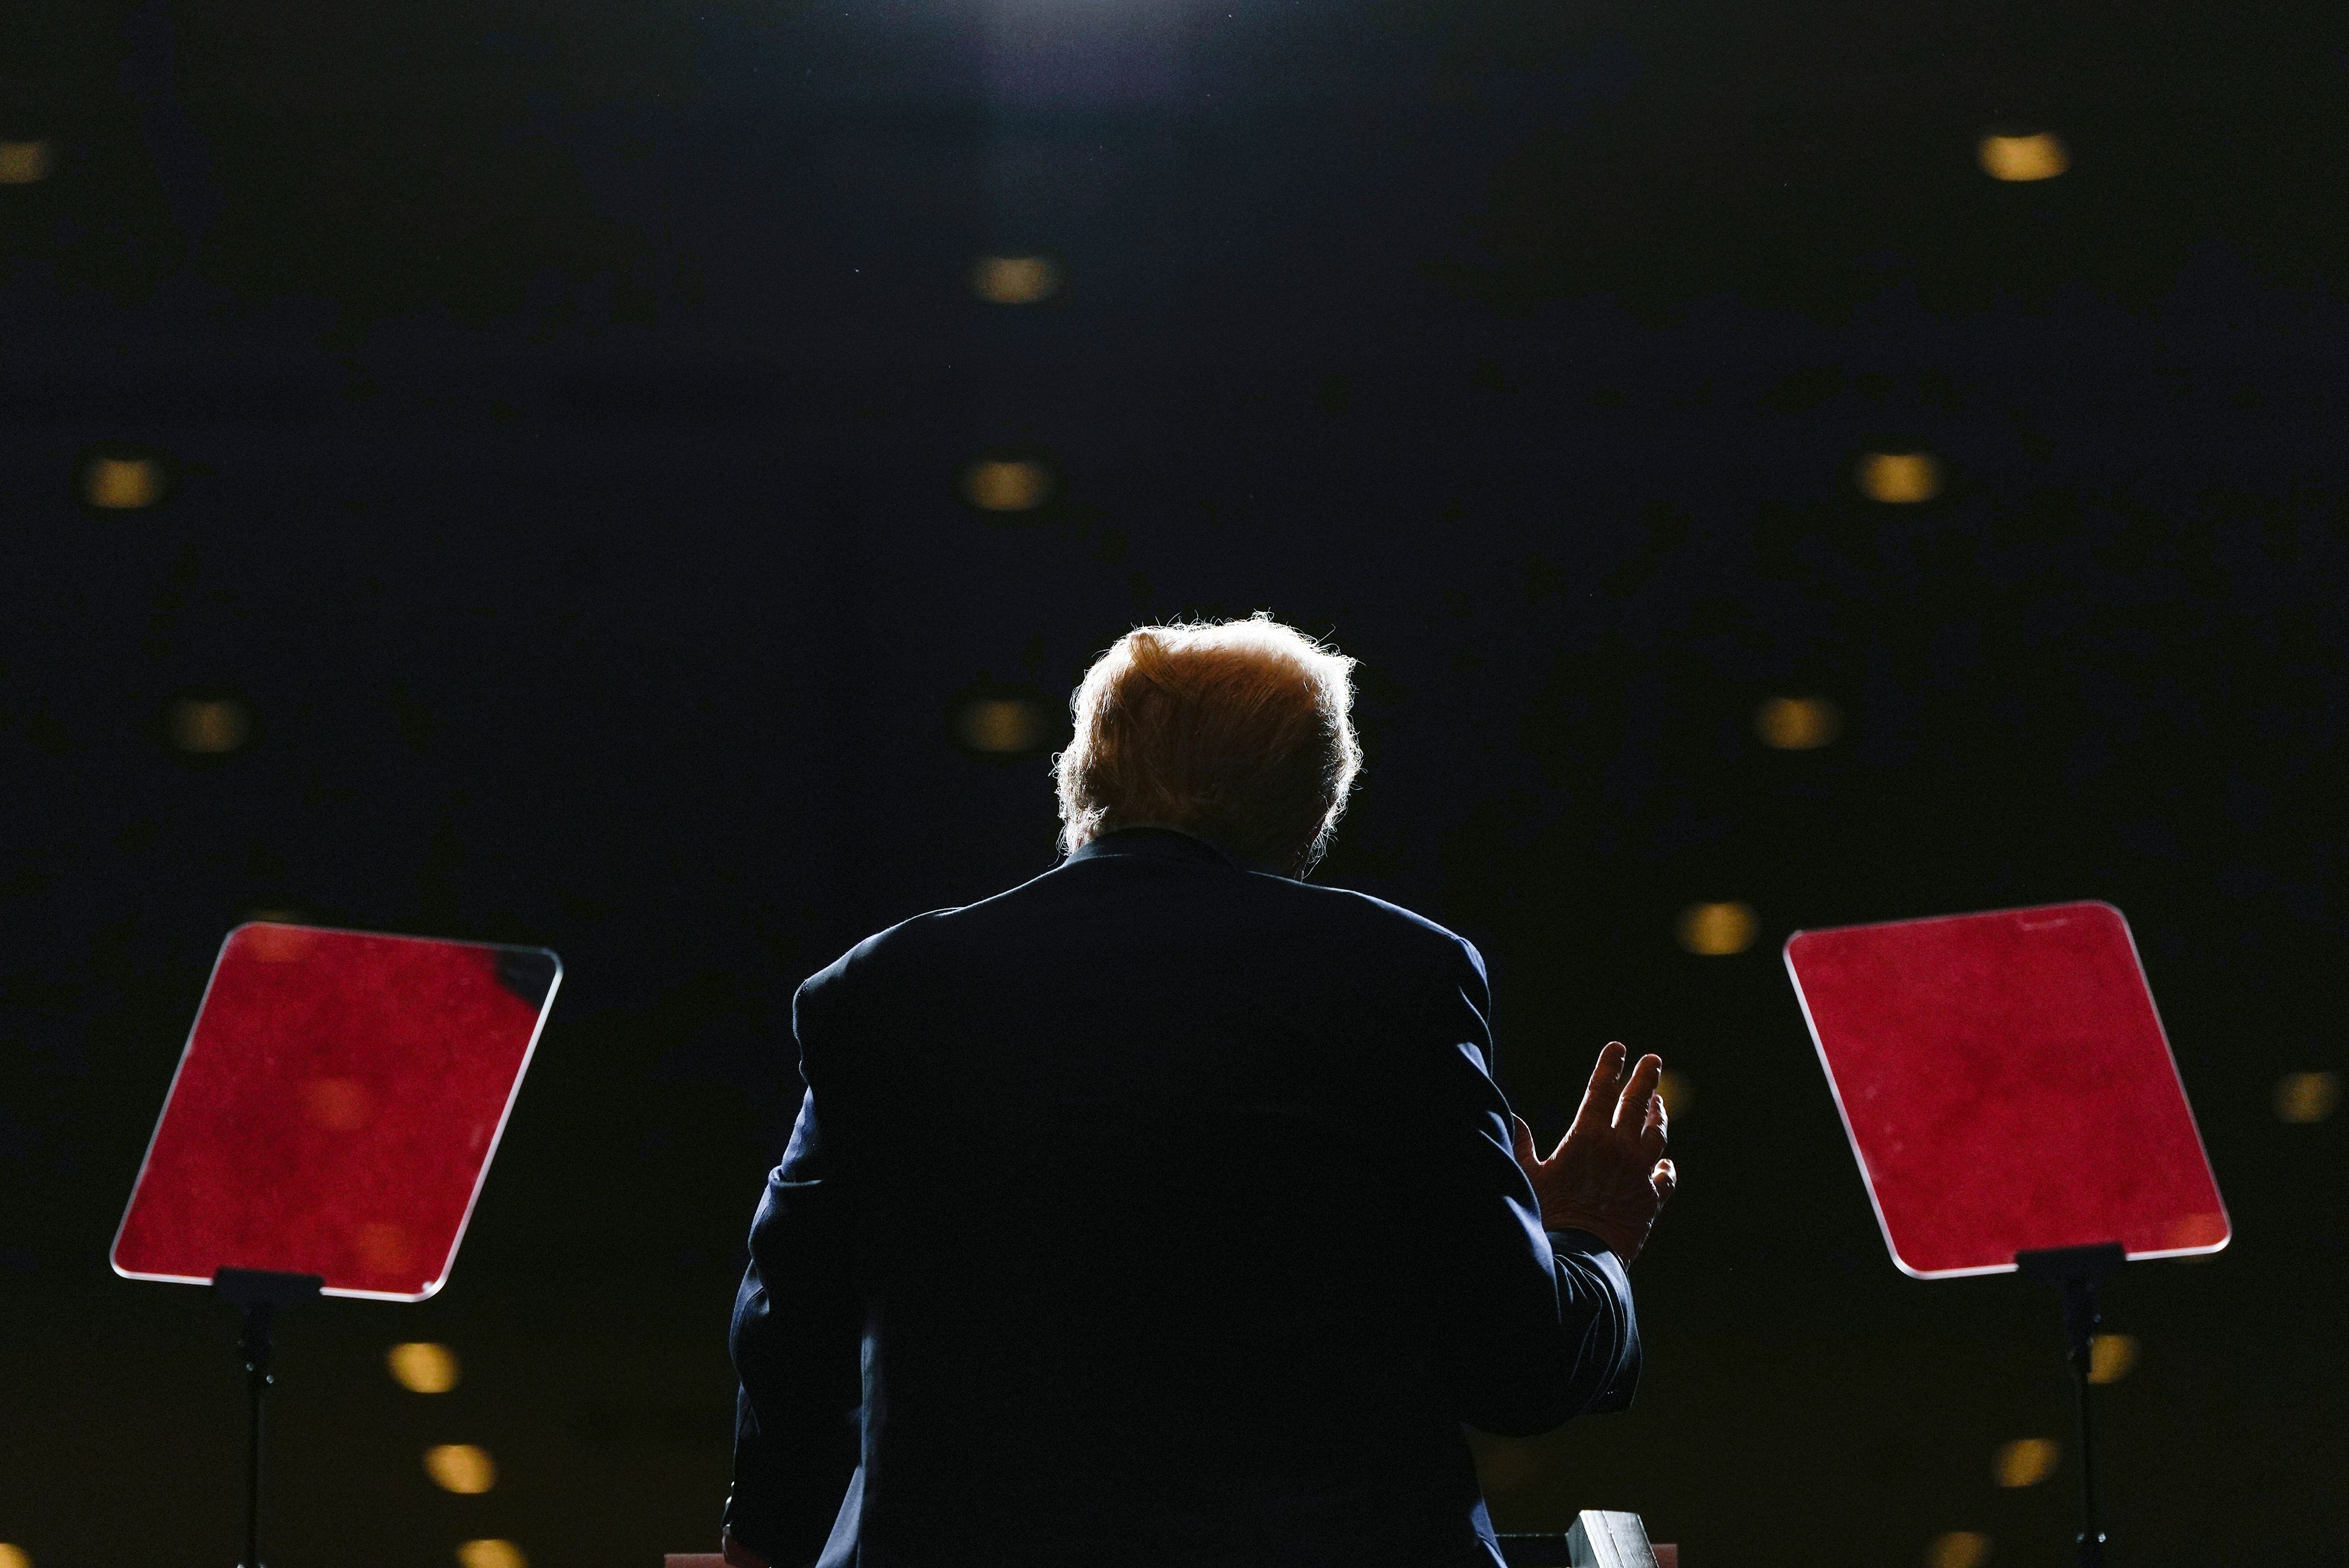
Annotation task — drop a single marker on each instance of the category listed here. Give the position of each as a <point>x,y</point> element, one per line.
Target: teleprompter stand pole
<point>2075,1272</point>
<point>259,1294</point>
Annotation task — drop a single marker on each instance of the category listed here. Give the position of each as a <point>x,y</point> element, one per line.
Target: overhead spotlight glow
<point>1958,1549</point>
<point>1015,280</point>
<point>2026,1461</point>
<point>2305,1097</point>
<point>1899,478</point>
<point>122,483</point>
<point>460,1468</point>
<point>2039,156</point>
<point>423,1368</point>
<point>1797,723</point>
<point>24,164</point>
<point>1007,484</point>
<point>1716,931</point>
<point>490,1554</point>
<point>210,726</point>
<point>2110,1356</point>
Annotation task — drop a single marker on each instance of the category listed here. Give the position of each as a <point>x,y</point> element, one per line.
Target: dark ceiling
<point>560,410</point>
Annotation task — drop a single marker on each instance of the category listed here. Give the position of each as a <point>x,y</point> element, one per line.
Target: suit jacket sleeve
<point>797,1335</point>
<point>1534,1328</point>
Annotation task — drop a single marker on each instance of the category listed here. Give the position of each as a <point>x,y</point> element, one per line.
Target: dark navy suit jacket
<point>1158,1211</point>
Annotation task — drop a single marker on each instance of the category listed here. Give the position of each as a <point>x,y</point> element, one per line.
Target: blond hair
<point>1240,732</point>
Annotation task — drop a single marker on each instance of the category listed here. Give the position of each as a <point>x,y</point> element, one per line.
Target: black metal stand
<point>2075,1272</point>
<point>259,1294</point>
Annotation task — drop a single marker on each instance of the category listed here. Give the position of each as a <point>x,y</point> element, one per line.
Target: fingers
<point>1606,1082</point>
<point>1631,1108</point>
<point>1521,1142</point>
<point>1655,1130</point>
<point>1666,1179</point>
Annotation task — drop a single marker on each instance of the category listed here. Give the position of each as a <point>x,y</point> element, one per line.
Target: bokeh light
<point>1899,478</point>
<point>283,943</point>
<point>422,1367</point>
<point>1007,484</point>
<point>2305,1097</point>
<point>382,1246</point>
<point>122,483</point>
<point>1958,1549</point>
<point>209,726</point>
<point>2110,1356</point>
<point>2026,1461</point>
<point>460,1468</point>
<point>13,1556</point>
<point>491,1553</point>
<point>1015,280</point>
<point>1716,931</point>
<point>1674,1088</point>
<point>1001,726</point>
<point>24,164</point>
<point>2038,156</point>
<point>1504,1464</point>
<point>1797,723</point>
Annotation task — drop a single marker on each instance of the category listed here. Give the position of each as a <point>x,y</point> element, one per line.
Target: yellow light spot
<point>1015,280</point>
<point>122,483</point>
<point>23,163</point>
<point>1716,931</point>
<point>423,1368</point>
<point>337,1104</point>
<point>2305,1097</point>
<point>1899,478</point>
<point>1004,484</point>
<point>210,726</point>
<point>382,1248</point>
<point>2206,1230</point>
<point>2026,1461</point>
<point>2110,1356</point>
<point>281,943</point>
<point>460,1468</point>
<point>491,1555</point>
<point>2021,157</point>
<point>1504,1464</point>
<point>1003,726</point>
<point>1958,1549</point>
<point>1797,723</point>
<point>14,1556</point>
<point>1676,1092</point>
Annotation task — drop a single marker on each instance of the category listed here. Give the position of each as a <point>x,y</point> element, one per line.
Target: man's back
<point>1172,1213</point>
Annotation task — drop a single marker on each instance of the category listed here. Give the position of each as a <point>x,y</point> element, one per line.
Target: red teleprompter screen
<point>336,1110</point>
<point>2007,1087</point>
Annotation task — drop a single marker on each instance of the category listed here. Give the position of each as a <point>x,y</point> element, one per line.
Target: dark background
<point>561,406</point>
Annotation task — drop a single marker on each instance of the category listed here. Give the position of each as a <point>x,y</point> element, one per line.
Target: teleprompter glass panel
<point>2007,1087</point>
<point>336,1108</point>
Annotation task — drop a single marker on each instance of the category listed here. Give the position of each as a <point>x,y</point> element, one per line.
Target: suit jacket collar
<point>1158,843</point>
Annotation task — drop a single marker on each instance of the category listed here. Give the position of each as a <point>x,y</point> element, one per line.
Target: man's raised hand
<point>1608,1175</point>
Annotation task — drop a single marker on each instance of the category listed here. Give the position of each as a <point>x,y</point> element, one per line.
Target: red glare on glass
<point>336,1110</point>
<point>2007,1087</point>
